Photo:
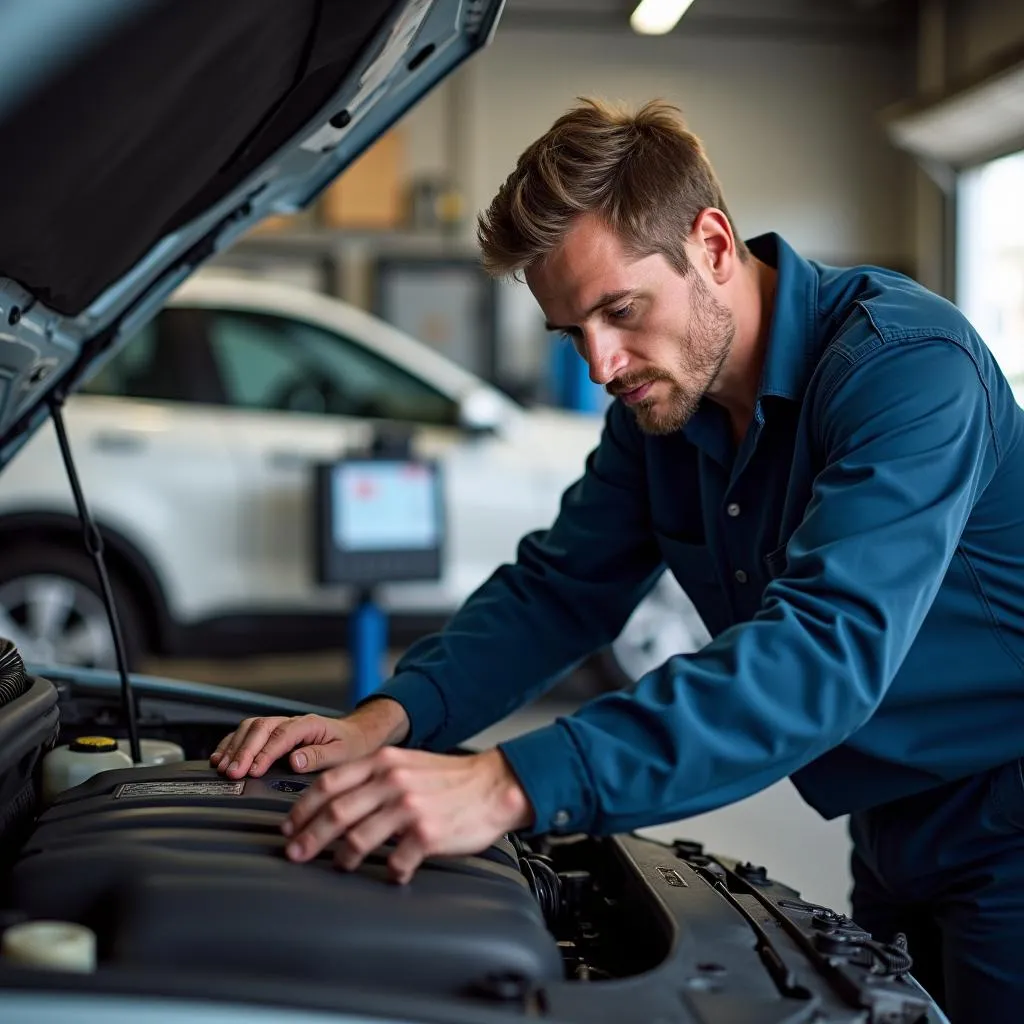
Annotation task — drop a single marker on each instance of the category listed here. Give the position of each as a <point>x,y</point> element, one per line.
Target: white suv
<point>196,445</point>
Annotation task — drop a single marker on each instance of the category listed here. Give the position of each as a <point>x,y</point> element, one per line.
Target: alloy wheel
<point>54,620</point>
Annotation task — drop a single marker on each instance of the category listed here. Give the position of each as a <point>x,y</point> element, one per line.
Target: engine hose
<point>893,958</point>
<point>518,845</point>
<point>541,877</point>
<point>546,888</point>
<point>14,681</point>
<point>528,873</point>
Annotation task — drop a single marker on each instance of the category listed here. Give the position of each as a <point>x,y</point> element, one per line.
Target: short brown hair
<point>644,174</point>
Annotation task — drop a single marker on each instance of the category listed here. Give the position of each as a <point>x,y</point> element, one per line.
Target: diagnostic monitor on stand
<point>380,519</point>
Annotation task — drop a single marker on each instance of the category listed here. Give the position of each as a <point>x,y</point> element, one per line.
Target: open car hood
<point>140,137</point>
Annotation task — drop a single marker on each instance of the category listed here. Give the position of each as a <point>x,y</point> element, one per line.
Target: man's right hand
<point>316,742</point>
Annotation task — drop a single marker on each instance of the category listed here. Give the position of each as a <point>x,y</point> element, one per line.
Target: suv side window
<point>274,363</point>
<point>117,373</point>
<point>167,361</point>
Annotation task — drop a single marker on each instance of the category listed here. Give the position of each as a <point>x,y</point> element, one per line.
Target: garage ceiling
<point>839,19</point>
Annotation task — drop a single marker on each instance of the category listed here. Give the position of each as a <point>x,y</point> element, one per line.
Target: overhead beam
<point>965,124</point>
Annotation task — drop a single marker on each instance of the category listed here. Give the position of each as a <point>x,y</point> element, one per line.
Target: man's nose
<point>605,357</point>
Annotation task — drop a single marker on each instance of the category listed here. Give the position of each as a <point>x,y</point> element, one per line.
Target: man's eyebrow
<point>606,300</point>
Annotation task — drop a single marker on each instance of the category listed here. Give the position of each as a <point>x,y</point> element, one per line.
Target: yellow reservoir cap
<point>93,745</point>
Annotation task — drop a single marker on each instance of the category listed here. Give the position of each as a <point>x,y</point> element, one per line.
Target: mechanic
<point>831,463</point>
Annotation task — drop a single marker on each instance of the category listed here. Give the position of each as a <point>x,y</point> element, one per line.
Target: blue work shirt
<point>858,560</point>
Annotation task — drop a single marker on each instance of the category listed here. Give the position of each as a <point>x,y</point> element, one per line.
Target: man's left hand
<point>435,804</point>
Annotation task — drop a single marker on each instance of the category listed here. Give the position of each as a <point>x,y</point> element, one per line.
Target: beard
<point>702,353</point>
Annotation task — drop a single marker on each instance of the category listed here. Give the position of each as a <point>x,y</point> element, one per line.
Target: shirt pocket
<point>694,567</point>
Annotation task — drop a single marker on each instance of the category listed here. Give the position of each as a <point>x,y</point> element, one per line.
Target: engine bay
<point>181,875</point>
<point>178,866</point>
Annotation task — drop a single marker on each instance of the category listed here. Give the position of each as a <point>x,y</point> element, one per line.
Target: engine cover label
<point>206,787</point>
<point>673,877</point>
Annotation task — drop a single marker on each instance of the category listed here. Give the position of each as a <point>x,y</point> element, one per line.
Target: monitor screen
<point>385,506</point>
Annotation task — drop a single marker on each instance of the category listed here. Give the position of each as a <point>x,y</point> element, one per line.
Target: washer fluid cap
<point>58,945</point>
<point>93,745</point>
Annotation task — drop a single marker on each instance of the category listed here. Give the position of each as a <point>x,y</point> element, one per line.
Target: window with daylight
<point>990,259</point>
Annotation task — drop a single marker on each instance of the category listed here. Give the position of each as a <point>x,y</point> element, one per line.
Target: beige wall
<point>790,125</point>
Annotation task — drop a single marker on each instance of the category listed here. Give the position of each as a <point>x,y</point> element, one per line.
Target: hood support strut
<point>94,545</point>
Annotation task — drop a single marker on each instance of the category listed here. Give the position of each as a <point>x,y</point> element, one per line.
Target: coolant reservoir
<point>71,765</point>
<point>155,752</point>
<point>57,945</point>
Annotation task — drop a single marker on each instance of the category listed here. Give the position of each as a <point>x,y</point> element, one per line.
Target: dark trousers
<point>946,868</point>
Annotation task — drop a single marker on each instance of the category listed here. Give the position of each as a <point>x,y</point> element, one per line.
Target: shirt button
<point>741,576</point>
<point>733,510</point>
<point>560,819</point>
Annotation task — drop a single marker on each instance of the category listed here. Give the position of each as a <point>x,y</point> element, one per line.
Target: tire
<point>51,607</point>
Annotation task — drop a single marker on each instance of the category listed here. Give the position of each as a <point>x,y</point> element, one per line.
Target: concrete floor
<point>774,828</point>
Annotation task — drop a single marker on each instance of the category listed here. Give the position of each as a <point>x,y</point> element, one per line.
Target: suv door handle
<point>117,441</point>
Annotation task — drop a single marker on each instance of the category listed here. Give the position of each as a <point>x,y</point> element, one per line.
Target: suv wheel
<point>52,609</point>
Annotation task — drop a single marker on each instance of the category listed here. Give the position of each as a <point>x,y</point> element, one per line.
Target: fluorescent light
<point>656,17</point>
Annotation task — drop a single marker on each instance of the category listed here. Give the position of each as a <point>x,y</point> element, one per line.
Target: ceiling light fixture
<point>656,17</point>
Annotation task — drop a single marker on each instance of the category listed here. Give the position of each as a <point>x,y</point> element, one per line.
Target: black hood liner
<point>155,124</point>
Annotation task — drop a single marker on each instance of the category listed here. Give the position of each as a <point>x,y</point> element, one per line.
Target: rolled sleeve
<point>423,702</point>
<point>554,776</point>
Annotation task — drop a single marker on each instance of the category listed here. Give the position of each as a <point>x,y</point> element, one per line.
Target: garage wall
<point>790,124</point>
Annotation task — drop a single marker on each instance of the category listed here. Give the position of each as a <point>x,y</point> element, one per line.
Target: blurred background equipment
<point>449,304</point>
<point>380,518</point>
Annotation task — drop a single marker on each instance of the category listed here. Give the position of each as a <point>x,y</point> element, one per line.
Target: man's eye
<point>572,336</point>
<point>622,313</point>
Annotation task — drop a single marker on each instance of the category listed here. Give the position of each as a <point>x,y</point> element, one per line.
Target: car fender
<point>122,555</point>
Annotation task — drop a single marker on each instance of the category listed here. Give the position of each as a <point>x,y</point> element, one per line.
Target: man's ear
<point>715,243</point>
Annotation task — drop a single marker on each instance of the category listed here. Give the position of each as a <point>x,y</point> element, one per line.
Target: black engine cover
<point>178,867</point>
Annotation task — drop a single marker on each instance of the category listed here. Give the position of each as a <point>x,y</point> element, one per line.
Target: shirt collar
<point>793,337</point>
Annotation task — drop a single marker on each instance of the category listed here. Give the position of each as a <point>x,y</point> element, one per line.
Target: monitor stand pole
<point>368,641</point>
